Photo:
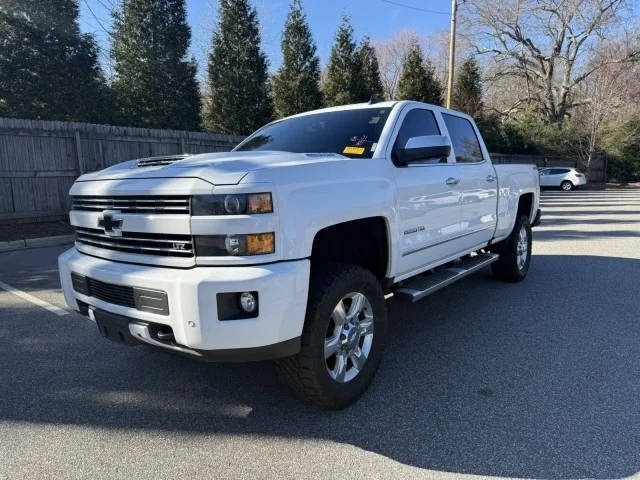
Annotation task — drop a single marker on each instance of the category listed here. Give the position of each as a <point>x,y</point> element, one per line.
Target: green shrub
<point>622,144</point>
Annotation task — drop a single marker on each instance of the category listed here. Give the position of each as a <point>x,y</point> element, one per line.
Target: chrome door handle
<point>453,181</point>
<point>490,178</point>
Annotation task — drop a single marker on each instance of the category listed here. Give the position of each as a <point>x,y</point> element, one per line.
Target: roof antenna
<point>374,99</point>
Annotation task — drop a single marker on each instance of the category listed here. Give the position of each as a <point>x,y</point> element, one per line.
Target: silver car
<point>567,178</point>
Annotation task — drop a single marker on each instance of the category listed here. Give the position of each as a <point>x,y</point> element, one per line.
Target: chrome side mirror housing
<point>424,148</point>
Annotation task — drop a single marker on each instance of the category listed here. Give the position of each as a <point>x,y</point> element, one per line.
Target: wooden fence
<point>39,160</point>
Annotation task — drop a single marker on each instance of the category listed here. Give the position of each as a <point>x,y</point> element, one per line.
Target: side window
<point>463,138</point>
<point>417,123</point>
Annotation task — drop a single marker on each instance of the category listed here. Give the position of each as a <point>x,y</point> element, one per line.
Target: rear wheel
<point>342,339</point>
<point>567,186</point>
<point>515,253</point>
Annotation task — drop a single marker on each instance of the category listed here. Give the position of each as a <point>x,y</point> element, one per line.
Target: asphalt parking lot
<point>535,380</point>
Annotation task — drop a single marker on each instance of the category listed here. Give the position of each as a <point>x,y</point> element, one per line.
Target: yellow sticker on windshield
<point>353,150</point>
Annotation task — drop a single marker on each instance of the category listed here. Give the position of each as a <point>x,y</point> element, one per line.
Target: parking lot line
<point>30,298</point>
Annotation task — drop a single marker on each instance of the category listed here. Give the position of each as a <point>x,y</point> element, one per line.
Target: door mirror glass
<point>424,148</point>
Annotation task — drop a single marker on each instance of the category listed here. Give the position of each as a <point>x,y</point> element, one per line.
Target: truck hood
<point>224,168</point>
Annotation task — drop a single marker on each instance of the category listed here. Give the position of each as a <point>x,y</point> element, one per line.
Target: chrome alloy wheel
<point>522,248</point>
<point>349,337</point>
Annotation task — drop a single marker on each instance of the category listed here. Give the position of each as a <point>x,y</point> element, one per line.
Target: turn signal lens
<point>261,244</point>
<point>259,203</point>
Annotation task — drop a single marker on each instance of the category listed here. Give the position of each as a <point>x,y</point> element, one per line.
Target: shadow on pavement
<point>569,234</point>
<point>538,379</point>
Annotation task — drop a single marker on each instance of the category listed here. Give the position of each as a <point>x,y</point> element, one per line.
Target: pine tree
<point>48,69</point>
<point>369,72</point>
<point>467,91</point>
<point>237,79</point>
<point>155,83</point>
<point>418,81</point>
<point>296,85</point>
<point>343,82</point>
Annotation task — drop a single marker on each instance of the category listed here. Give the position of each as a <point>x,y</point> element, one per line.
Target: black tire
<point>566,186</point>
<point>507,267</point>
<point>307,372</point>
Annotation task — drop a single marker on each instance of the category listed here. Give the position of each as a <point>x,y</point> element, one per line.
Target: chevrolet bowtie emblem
<point>110,223</point>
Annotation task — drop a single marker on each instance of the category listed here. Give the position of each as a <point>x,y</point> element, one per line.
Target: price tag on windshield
<point>353,150</point>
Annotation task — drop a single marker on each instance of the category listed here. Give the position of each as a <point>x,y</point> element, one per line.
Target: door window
<point>417,123</point>
<point>463,138</point>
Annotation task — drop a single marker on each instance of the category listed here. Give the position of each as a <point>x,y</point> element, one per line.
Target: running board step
<point>420,287</point>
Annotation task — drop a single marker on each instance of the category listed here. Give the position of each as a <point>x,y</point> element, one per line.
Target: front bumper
<point>191,295</point>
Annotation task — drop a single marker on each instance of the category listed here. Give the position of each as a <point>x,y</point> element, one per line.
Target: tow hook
<point>142,333</point>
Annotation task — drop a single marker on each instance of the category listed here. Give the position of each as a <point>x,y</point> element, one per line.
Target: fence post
<point>183,146</point>
<point>76,135</point>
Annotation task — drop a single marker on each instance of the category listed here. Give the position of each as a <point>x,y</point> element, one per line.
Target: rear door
<point>477,182</point>
<point>428,206</point>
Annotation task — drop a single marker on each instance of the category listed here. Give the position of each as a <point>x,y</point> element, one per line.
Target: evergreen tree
<point>343,82</point>
<point>467,91</point>
<point>156,84</point>
<point>418,81</point>
<point>296,85</point>
<point>369,72</point>
<point>48,69</point>
<point>237,79</point>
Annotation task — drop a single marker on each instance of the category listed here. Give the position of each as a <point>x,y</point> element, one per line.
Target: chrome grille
<point>132,204</point>
<point>167,245</point>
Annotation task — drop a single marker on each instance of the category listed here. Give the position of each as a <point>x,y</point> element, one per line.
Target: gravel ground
<point>484,379</point>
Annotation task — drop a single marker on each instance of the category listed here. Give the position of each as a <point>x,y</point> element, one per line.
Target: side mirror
<point>424,148</point>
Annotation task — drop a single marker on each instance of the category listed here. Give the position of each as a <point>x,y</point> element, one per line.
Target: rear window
<point>353,133</point>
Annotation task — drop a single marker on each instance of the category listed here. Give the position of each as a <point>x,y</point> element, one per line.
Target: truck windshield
<point>353,133</point>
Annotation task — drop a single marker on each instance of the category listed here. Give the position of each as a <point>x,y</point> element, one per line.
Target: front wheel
<point>515,252</point>
<point>567,186</point>
<point>342,339</point>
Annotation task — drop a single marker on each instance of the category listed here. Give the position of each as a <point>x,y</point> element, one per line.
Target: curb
<point>35,242</point>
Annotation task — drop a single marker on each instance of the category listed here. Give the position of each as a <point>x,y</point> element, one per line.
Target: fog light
<point>247,302</point>
<point>237,305</point>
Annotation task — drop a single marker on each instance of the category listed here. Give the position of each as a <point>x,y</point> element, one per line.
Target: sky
<point>380,19</point>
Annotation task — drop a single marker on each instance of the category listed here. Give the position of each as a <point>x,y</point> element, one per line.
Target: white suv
<point>566,178</point>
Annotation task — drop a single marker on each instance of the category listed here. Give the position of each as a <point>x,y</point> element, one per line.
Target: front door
<point>545,177</point>
<point>427,200</point>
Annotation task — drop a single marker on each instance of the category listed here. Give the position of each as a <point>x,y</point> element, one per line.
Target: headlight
<point>231,204</point>
<point>235,245</point>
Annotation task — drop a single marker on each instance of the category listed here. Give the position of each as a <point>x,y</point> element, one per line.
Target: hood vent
<point>163,160</point>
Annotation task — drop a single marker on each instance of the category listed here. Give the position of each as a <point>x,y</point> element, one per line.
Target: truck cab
<point>286,247</point>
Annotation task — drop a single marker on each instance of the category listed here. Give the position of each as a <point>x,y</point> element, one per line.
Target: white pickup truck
<point>286,247</point>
